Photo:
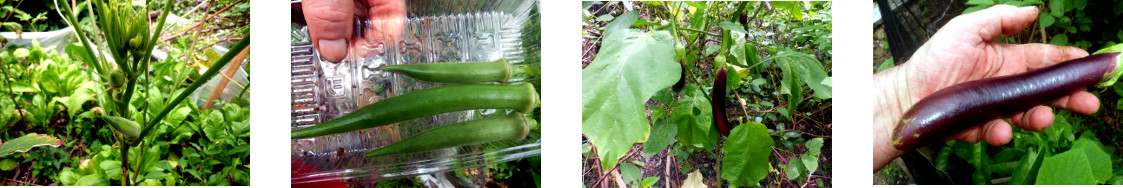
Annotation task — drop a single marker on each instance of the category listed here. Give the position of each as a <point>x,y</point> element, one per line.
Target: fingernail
<point>1033,8</point>
<point>333,50</point>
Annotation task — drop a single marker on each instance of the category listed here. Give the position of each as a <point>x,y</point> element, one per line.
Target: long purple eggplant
<point>718,103</point>
<point>953,109</point>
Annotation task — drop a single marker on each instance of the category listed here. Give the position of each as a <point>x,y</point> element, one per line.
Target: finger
<point>1037,56</point>
<point>971,134</point>
<point>329,25</point>
<point>387,22</point>
<point>995,21</point>
<point>1035,119</point>
<point>1079,102</point>
<point>997,133</point>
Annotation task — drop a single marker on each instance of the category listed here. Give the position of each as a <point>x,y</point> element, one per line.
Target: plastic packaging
<point>435,31</point>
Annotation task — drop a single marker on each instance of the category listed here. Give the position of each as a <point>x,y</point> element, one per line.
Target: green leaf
<point>746,154</point>
<point>794,169</point>
<point>1068,168</point>
<point>649,182</point>
<point>68,177</point>
<point>1045,20</point>
<point>662,135</point>
<point>631,66</point>
<point>694,180</point>
<point>1098,160</point>
<point>625,21</point>
<point>888,63</point>
<point>1026,172</point>
<point>112,169</point>
<point>811,162</point>
<point>1057,8</point>
<point>981,2</point>
<point>605,18</point>
<point>808,69</point>
<point>1059,40</point>
<point>694,119</point>
<point>26,142</point>
<point>86,92</point>
<point>712,48</point>
<point>732,79</point>
<point>737,49</point>
<point>733,26</point>
<point>94,180</point>
<point>156,175</point>
<point>814,145</point>
<point>8,164</point>
<point>630,173</point>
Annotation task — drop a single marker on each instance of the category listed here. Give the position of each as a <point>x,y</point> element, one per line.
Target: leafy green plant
<point>628,96</point>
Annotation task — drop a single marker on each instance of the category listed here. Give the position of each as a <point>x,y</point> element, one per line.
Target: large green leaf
<point>1097,158</point>
<point>620,23</point>
<point>746,154</point>
<point>694,119</point>
<point>631,66</point>
<point>1085,163</point>
<point>663,134</point>
<point>26,142</point>
<point>809,70</point>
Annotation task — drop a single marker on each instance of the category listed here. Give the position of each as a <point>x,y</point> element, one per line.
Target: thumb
<point>329,25</point>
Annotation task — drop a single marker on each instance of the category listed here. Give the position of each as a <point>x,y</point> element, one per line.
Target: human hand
<point>331,23</point>
<point>963,51</point>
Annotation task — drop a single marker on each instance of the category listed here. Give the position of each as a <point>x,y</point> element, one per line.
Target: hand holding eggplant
<point>963,51</point>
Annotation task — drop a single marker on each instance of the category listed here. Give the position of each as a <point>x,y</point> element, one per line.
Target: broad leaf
<point>1097,158</point>
<point>1026,172</point>
<point>94,180</point>
<point>8,164</point>
<point>811,162</point>
<point>1045,20</point>
<point>746,154</point>
<point>630,173</point>
<point>694,119</point>
<point>809,70</point>
<point>814,145</point>
<point>737,49</point>
<point>663,134</point>
<point>620,23</point>
<point>794,170</point>
<point>631,66</point>
<point>733,26</point>
<point>26,142</point>
<point>693,180</point>
<point>1068,168</point>
<point>649,182</point>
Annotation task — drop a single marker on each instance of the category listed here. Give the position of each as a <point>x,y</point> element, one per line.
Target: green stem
<point>699,31</point>
<point>91,59</point>
<point>145,60</point>
<point>234,50</point>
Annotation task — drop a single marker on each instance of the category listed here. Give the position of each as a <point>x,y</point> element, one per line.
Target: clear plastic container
<point>435,31</point>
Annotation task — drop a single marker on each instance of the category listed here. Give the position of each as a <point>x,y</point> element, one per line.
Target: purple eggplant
<point>953,109</point>
<point>717,102</point>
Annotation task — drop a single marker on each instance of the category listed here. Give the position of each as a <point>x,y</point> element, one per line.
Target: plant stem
<point>237,47</point>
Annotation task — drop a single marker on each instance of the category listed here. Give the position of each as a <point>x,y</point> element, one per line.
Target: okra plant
<point>129,41</point>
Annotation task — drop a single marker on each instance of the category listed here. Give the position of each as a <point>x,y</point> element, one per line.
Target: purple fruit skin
<point>718,104</point>
<point>961,106</point>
